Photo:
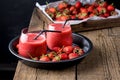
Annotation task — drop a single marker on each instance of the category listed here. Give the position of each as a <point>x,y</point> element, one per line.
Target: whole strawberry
<point>68,49</point>
<point>78,50</point>
<point>44,58</point>
<point>51,54</point>
<point>78,4</point>
<point>52,10</point>
<point>101,10</point>
<point>56,58</point>
<point>56,49</point>
<point>103,4</point>
<point>73,55</point>
<point>63,56</point>
<point>110,7</point>
<point>62,5</point>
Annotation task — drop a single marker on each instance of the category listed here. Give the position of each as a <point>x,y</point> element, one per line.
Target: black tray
<point>78,39</point>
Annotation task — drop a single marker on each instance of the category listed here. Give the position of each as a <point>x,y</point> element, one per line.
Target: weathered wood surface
<point>24,72</point>
<point>102,64</point>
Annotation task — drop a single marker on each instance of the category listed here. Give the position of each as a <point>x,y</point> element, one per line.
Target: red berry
<point>91,15</point>
<point>101,10</point>
<point>63,56</point>
<point>74,12</point>
<point>52,9</point>
<point>73,17</point>
<point>82,15</point>
<point>110,8</point>
<point>95,4</point>
<point>90,8</point>
<point>104,4</point>
<point>83,10</point>
<point>51,55</point>
<point>78,4</point>
<point>78,50</point>
<point>73,55</point>
<point>56,49</point>
<point>56,58</point>
<point>68,49</point>
<point>106,14</point>
<point>62,5</point>
<point>72,8</point>
<point>64,17</point>
<point>44,58</point>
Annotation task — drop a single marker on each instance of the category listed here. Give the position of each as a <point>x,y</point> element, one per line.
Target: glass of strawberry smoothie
<point>55,39</point>
<point>28,47</point>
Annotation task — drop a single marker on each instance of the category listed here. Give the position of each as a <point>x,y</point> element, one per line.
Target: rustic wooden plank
<point>91,67</point>
<point>114,32</point>
<point>96,25</point>
<point>102,63</point>
<point>24,72</point>
<point>111,57</point>
<point>116,37</point>
<point>65,74</point>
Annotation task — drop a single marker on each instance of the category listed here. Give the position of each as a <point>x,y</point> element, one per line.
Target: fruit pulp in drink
<point>55,39</point>
<point>28,47</point>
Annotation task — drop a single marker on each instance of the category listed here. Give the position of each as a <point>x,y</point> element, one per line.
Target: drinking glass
<point>30,47</point>
<point>55,39</point>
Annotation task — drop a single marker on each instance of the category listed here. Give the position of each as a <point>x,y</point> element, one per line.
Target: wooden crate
<point>85,26</point>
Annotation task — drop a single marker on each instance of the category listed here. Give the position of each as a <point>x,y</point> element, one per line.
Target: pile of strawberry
<point>64,53</point>
<point>65,11</point>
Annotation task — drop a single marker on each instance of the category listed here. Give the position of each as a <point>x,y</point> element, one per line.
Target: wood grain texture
<point>103,62</point>
<point>66,74</point>
<point>24,72</point>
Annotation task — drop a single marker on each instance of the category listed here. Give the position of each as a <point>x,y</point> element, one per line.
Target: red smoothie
<point>28,47</point>
<point>55,39</point>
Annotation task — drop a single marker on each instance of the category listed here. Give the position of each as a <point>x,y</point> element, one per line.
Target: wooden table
<point>103,63</point>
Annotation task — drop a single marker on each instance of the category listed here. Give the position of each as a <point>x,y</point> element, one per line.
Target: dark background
<point>15,15</point>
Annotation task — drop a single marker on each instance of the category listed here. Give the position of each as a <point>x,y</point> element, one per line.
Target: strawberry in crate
<point>65,10</point>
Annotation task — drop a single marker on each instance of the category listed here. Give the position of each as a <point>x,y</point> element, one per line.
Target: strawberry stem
<point>112,4</point>
<point>47,4</point>
<point>30,55</point>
